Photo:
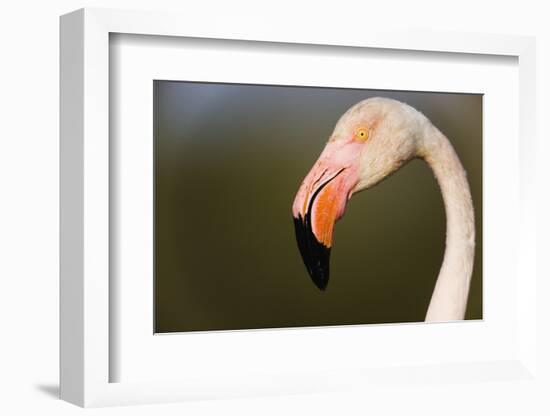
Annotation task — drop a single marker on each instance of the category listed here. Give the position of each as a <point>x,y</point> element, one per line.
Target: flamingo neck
<point>450,294</point>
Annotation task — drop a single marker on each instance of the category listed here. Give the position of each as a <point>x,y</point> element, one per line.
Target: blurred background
<point>229,159</point>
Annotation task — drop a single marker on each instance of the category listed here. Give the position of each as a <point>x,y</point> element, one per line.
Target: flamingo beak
<point>320,202</point>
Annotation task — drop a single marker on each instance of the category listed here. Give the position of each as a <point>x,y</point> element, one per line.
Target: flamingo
<point>372,140</point>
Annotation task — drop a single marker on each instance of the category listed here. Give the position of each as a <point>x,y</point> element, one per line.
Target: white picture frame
<point>86,166</point>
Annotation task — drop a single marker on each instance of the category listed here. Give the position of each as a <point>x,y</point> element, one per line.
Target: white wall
<point>29,204</point>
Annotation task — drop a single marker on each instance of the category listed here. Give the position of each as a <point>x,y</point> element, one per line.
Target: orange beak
<point>320,202</point>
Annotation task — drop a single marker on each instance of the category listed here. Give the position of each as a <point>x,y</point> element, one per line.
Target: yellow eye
<point>362,134</point>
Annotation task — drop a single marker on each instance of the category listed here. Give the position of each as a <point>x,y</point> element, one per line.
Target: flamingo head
<point>373,139</point>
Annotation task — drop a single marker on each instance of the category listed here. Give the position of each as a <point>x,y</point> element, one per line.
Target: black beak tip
<point>316,255</point>
<point>320,283</point>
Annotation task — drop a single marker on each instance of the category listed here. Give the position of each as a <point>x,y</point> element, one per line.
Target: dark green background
<point>229,159</point>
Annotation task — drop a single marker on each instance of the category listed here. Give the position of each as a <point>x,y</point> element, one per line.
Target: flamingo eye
<point>362,134</point>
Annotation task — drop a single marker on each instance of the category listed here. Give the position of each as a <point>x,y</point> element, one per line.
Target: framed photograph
<point>270,212</point>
